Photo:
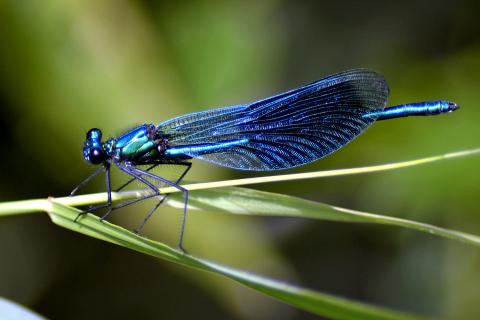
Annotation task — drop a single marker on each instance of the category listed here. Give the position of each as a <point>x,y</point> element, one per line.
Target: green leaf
<point>310,300</point>
<point>253,202</point>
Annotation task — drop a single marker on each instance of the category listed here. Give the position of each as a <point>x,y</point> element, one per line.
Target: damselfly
<point>284,131</point>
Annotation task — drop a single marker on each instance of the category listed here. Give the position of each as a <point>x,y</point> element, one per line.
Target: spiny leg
<point>127,203</point>
<point>188,164</point>
<point>109,194</point>
<point>128,170</point>
<point>133,179</point>
<point>180,188</point>
<point>122,205</point>
<point>86,180</point>
<point>139,228</point>
<point>110,209</point>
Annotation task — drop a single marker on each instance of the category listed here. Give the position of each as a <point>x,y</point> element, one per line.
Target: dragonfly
<point>286,130</point>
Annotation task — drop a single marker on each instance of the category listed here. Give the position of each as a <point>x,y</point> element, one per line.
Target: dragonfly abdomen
<point>204,148</point>
<point>427,108</point>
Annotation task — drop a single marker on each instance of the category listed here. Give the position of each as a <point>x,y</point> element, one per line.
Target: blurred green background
<point>67,66</point>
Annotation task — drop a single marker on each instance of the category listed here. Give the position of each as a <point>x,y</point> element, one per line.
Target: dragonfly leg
<point>133,179</point>
<point>127,203</point>
<point>128,170</point>
<point>111,208</point>
<point>109,194</point>
<point>177,186</point>
<point>86,180</point>
<point>140,227</point>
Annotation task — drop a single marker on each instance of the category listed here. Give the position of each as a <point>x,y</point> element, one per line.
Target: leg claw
<point>182,249</point>
<point>79,215</point>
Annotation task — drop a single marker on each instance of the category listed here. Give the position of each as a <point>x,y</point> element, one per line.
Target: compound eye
<point>94,134</point>
<point>96,156</point>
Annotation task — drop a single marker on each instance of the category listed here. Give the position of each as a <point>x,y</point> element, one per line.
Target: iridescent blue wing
<point>286,130</point>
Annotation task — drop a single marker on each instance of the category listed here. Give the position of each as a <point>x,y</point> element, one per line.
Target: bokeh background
<point>67,66</point>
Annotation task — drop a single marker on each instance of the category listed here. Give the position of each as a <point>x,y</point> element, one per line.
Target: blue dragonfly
<point>280,132</point>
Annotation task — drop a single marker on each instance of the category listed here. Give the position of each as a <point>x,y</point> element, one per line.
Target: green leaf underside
<point>309,300</point>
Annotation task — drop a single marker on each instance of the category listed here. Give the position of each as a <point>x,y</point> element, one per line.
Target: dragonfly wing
<point>286,130</point>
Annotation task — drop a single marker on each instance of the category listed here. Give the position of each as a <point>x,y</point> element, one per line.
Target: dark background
<point>67,66</point>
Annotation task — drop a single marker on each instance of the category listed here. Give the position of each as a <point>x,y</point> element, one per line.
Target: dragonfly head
<point>92,148</point>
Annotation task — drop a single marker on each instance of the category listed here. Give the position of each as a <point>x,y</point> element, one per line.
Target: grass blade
<point>309,300</point>
<point>326,173</point>
<point>253,202</point>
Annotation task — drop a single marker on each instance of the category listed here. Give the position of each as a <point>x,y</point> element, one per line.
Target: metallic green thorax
<point>136,143</point>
